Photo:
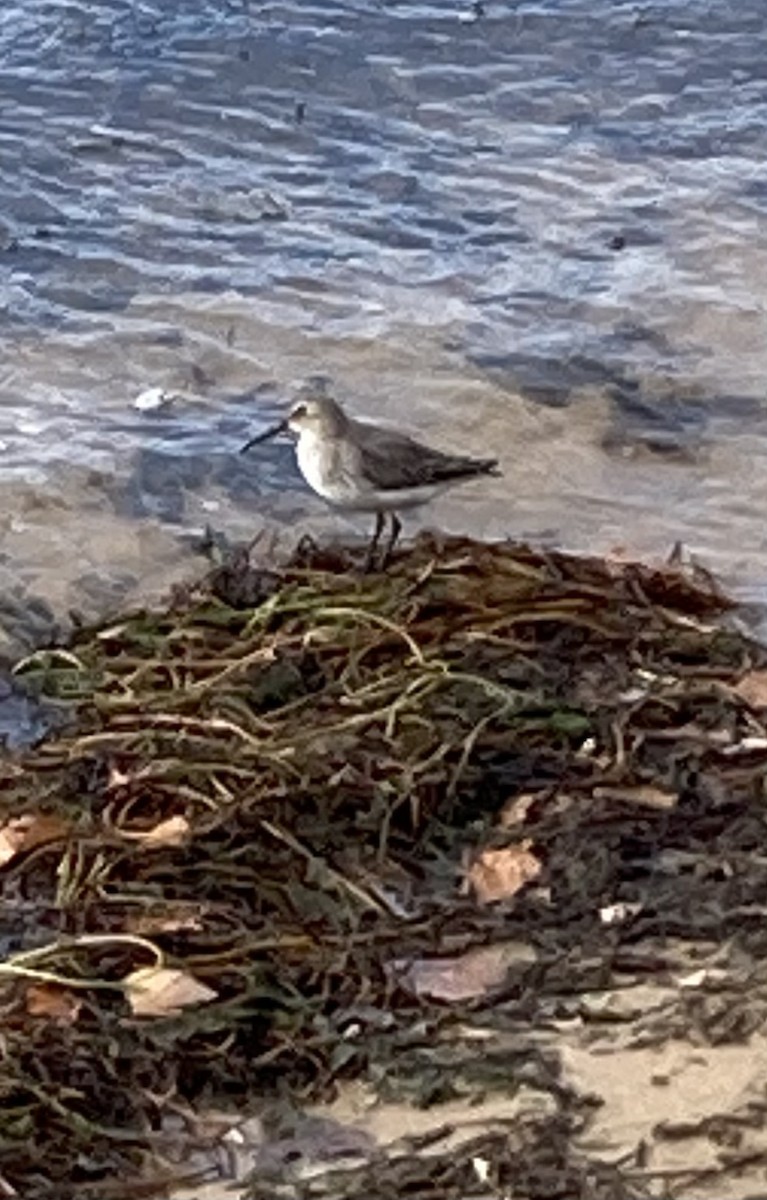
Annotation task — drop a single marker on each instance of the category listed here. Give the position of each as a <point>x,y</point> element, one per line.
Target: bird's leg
<point>396,529</point>
<point>370,556</point>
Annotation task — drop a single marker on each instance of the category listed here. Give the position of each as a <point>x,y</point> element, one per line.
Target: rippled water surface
<point>533,228</point>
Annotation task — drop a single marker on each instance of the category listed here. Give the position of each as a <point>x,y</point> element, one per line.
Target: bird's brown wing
<point>391,461</point>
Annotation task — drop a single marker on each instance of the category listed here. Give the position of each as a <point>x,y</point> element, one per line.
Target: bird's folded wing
<point>390,460</point>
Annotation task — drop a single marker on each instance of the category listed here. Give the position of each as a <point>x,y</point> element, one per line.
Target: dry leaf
<point>616,914</point>
<point>12,838</point>
<point>24,833</point>
<point>694,980</point>
<point>466,977</point>
<point>173,832</point>
<point>481,1169</point>
<point>161,991</point>
<point>167,918</point>
<point>498,874</point>
<point>753,688</point>
<point>516,808</point>
<point>746,745</point>
<point>645,793</point>
<point>118,778</point>
<point>49,1000</point>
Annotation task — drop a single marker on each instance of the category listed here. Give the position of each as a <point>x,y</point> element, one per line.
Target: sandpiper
<point>362,467</point>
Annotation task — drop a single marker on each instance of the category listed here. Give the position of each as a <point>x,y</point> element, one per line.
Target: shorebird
<point>361,467</point>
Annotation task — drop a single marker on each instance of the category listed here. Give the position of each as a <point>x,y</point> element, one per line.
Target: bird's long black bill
<point>264,437</point>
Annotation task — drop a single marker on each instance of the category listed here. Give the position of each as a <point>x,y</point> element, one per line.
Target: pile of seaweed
<point>274,802</point>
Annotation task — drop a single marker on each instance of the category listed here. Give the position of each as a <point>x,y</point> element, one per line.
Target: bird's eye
<point>299,411</point>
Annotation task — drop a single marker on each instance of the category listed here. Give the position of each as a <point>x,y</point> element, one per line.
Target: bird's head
<point>314,412</point>
<point>317,413</point>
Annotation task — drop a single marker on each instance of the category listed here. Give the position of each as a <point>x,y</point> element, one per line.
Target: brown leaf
<point>516,808</point>
<point>172,832</point>
<point>646,794</point>
<point>24,833</point>
<point>498,874</point>
<point>161,991</point>
<point>616,914</point>
<point>753,688</point>
<point>12,838</point>
<point>57,1003</point>
<point>117,778</point>
<point>465,977</point>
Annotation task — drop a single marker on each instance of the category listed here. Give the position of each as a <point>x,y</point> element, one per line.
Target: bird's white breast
<point>323,469</point>
<point>333,470</point>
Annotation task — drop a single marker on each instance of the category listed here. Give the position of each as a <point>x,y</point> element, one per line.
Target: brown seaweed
<point>274,791</point>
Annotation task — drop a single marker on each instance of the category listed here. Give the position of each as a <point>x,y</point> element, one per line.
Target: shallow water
<point>530,228</point>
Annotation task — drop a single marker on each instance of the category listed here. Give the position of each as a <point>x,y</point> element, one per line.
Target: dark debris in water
<point>286,787</point>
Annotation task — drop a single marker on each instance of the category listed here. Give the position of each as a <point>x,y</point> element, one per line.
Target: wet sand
<point>121,523</point>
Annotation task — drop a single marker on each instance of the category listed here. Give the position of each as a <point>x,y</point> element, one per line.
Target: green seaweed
<point>334,749</point>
